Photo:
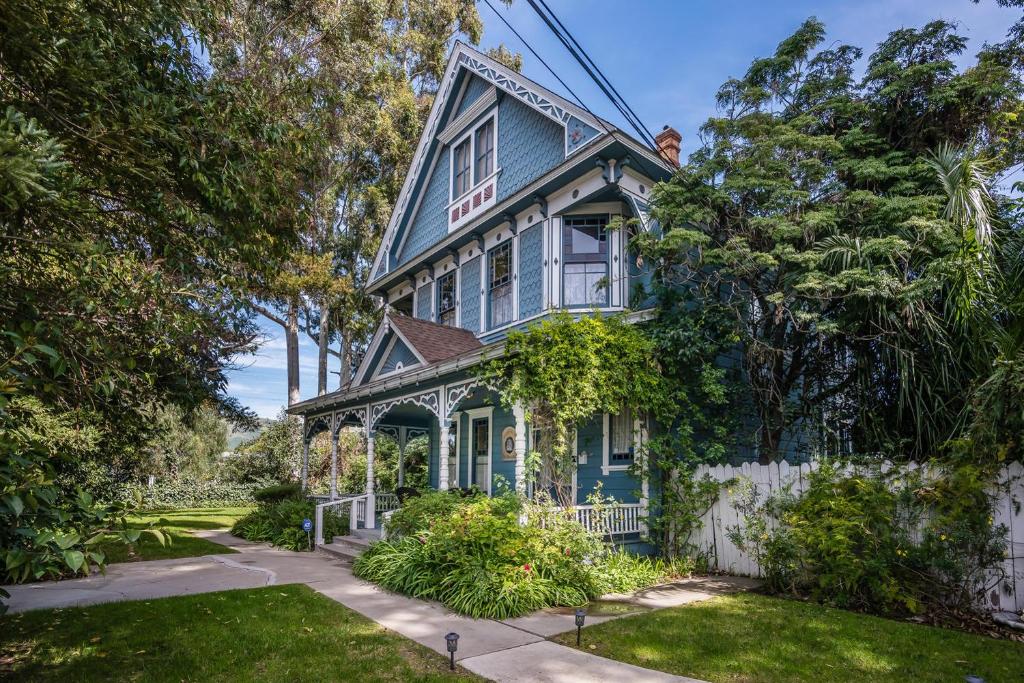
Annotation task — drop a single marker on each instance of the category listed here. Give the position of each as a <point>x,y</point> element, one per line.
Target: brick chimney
<point>668,144</point>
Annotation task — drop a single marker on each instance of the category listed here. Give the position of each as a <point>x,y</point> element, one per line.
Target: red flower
<point>567,552</point>
<point>526,567</point>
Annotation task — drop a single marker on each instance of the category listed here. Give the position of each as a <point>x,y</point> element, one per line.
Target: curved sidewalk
<point>512,650</point>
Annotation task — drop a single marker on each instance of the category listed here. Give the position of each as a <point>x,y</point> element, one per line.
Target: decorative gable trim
<point>464,57</point>
<point>371,352</point>
<point>482,104</point>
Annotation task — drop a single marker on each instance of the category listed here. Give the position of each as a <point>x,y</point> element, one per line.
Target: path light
<point>452,640</point>
<point>581,615</point>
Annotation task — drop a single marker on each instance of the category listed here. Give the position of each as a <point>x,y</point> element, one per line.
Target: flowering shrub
<point>475,556</point>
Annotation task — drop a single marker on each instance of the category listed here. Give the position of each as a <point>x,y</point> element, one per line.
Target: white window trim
<point>606,449</point>
<point>474,182</point>
<point>485,413</point>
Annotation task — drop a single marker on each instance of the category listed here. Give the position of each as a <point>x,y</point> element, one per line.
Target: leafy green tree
<point>812,213</point>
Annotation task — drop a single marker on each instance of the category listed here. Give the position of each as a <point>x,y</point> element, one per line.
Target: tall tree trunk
<point>323,342</point>
<point>291,341</point>
<point>345,376</point>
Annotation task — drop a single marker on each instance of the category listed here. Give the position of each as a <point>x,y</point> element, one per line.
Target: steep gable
<point>536,130</point>
<point>402,343</point>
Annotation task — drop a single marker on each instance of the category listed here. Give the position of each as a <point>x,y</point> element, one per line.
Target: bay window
<point>585,261</point>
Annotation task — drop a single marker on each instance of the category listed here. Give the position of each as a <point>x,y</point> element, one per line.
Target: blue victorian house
<point>501,222</point>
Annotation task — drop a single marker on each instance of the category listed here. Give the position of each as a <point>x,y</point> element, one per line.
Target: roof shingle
<point>433,341</point>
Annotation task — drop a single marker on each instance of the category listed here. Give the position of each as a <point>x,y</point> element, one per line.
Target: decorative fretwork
<point>320,423</point>
<point>342,415</point>
<point>455,395</point>
<point>516,88</point>
<point>429,400</point>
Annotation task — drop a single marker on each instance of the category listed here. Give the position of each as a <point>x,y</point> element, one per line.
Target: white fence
<point>782,477</point>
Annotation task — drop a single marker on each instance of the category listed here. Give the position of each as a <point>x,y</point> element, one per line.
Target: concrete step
<point>366,534</point>
<point>346,547</point>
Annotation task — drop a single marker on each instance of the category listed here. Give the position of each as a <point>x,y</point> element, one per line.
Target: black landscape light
<point>581,615</point>
<point>452,641</point>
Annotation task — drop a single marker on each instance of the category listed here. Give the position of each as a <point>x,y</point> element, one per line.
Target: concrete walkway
<point>509,650</point>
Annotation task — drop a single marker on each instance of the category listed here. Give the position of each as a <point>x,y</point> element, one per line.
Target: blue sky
<point>667,59</point>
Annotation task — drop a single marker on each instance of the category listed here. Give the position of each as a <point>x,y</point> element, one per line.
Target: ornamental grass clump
<point>497,558</point>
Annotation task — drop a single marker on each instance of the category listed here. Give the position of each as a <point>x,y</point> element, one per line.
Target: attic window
<point>474,152</point>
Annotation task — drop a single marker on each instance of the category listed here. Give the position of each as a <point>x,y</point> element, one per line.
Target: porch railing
<point>356,513</point>
<point>623,518</point>
<point>386,502</point>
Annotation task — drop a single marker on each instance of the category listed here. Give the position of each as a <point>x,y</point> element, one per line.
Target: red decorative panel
<point>488,192</point>
<point>476,200</point>
<point>465,207</point>
<point>455,214</point>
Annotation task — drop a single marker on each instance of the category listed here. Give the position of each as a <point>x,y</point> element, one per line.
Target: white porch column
<point>645,495</point>
<point>519,412</point>
<point>334,464</point>
<point>304,472</point>
<point>371,500</point>
<point>444,428</point>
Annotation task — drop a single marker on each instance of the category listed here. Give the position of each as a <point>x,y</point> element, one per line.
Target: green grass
<point>178,522</point>
<point>746,638</point>
<point>280,633</point>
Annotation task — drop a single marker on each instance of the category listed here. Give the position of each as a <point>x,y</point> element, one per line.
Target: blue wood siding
<point>474,89</point>
<point>423,301</point>
<point>529,145</point>
<point>618,484</point>
<point>469,294</point>
<point>503,469</point>
<point>531,271</point>
<point>399,354</point>
<point>429,225</point>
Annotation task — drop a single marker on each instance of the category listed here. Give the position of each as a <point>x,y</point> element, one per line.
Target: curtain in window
<point>622,436</point>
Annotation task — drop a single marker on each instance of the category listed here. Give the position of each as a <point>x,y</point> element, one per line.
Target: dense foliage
<point>564,371</point>
<point>885,541</point>
<point>850,238</point>
<point>476,557</point>
<point>280,523</point>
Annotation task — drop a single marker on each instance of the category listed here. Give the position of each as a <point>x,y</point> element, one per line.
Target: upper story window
<point>585,261</point>
<point>460,169</point>
<point>483,143</point>
<point>446,299</point>
<point>499,292</point>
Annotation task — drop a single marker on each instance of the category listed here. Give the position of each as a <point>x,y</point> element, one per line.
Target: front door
<point>481,450</point>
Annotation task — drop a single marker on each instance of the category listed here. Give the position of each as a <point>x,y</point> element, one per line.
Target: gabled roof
<point>534,95</point>
<point>429,342</point>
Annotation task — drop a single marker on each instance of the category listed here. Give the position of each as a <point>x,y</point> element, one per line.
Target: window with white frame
<point>446,299</point>
<point>483,144</point>
<point>473,158</point>
<point>461,181</point>
<point>621,451</point>
<point>499,292</point>
<point>585,261</point>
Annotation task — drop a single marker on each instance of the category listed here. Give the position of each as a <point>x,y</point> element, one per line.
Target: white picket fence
<point>776,478</point>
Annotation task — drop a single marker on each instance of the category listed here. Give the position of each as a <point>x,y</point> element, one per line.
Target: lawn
<point>280,633</point>
<point>178,522</point>
<point>746,638</point>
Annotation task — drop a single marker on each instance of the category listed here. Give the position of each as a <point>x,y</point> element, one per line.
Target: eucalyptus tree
<point>357,79</point>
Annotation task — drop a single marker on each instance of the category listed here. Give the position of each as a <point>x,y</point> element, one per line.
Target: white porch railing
<point>622,518</point>
<point>356,513</point>
<point>386,502</point>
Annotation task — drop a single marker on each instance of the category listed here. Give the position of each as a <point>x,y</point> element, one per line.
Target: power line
<point>546,66</point>
<point>590,67</point>
<point>635,117</point>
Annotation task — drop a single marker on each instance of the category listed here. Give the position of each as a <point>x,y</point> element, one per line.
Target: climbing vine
<point>564,371</point>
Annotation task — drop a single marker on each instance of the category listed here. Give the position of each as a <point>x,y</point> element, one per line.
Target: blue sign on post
<point>306,525</point>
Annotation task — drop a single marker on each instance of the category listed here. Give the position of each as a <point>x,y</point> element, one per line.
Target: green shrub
<point>277,493</point>
<point>280,524</point>
<point>417,513</point>
<point>475,556</point>
<point>195,493</point>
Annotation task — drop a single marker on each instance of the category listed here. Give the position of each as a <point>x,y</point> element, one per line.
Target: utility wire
<point>565,29</point>
<point>546,66</point>
<point>589,67</point>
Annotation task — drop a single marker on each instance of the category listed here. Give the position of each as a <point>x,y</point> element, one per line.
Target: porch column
<point>371,500</point>
<point>304,472</point>
<point>334,463</point>
<point>519,412</point>
<point>402,437</point>
<point>444,427</point>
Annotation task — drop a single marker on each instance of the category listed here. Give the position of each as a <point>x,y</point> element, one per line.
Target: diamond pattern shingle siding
<point>531,271</point>
<point>469,294</point>
<point>529,145</point>
<point>423,302</point>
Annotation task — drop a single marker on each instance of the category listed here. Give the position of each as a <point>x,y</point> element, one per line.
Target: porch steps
<point>348,548</point>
